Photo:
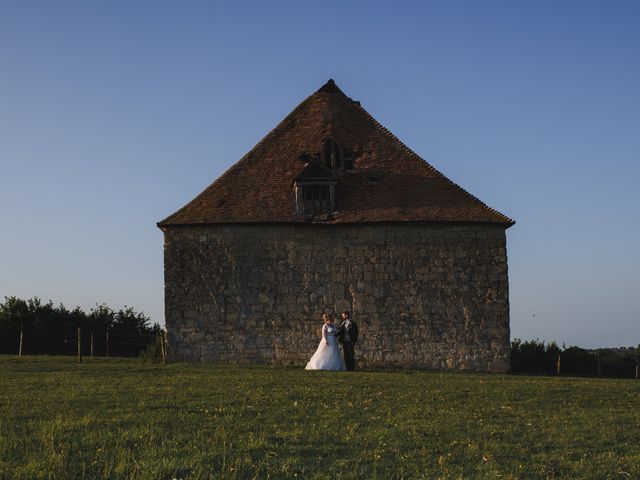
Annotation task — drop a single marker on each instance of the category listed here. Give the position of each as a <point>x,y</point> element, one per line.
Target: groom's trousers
<point>349,355</point>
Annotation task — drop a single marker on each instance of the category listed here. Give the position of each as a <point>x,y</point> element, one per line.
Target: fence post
<point>79,347</point>
<point>20,344</point>
<point>558,365</point>
<point>92,346</point>
<point>163,352</point>
<point>598,360</point>
<point>637,368</point>
<point>165,343</point>
<point>107,345</point>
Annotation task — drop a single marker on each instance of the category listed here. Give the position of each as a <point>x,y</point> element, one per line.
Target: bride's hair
<point>326,318</point>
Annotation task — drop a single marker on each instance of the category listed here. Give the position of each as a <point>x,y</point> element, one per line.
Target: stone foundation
<point>423,295</point>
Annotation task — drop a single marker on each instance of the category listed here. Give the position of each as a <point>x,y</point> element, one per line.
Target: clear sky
<point>115,114</point>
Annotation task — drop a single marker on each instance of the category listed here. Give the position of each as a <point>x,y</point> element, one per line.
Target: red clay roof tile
<point>389,182</point>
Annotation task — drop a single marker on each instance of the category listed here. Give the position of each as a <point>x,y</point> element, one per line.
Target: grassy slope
<point>124,419</point>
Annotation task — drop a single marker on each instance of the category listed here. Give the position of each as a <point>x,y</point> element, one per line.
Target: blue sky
<point>114,114</point>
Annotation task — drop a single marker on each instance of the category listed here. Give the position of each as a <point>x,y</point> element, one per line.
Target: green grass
<point>126,419</point>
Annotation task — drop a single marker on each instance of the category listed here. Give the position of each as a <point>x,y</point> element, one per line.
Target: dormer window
<point>315,190</point>
<point>334,156</point>
<point>316,199</point>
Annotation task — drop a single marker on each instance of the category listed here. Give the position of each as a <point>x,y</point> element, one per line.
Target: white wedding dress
<point>328,356</point>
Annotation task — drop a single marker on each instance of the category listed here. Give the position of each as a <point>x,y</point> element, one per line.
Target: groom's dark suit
<point>348,336</point>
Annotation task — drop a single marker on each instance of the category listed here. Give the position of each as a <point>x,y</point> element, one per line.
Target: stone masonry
<point>424,295</point>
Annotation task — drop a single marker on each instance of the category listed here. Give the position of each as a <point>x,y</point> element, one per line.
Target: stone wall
<point>423,295</point>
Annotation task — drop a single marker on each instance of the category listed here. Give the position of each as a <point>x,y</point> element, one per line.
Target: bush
<point>534,356</point>
<point>152,353</point>
<point>578,361</point>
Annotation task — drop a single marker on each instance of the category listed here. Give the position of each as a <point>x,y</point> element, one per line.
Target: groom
<point>348,336</point>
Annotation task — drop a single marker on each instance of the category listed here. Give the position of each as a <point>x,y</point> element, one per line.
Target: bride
<point>327,356</point>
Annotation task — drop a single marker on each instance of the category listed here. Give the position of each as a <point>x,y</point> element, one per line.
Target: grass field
<point>126,419</point>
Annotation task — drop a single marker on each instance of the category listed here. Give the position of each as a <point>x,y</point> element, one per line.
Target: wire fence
<point>89,343</point>
<point>538,357</point>
<point>596,366</point>
<point>83,343</point>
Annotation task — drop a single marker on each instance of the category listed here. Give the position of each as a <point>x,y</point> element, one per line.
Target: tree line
<point>48,329</point>
<point>51,329</point>
<point>538,357</point>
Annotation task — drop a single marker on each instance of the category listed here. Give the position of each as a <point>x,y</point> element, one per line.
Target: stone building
<point>330,211</point>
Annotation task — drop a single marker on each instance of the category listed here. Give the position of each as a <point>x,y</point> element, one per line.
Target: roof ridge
<point>330,87</point>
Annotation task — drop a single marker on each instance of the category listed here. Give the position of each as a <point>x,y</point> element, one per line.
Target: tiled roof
<point>389,182</point>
